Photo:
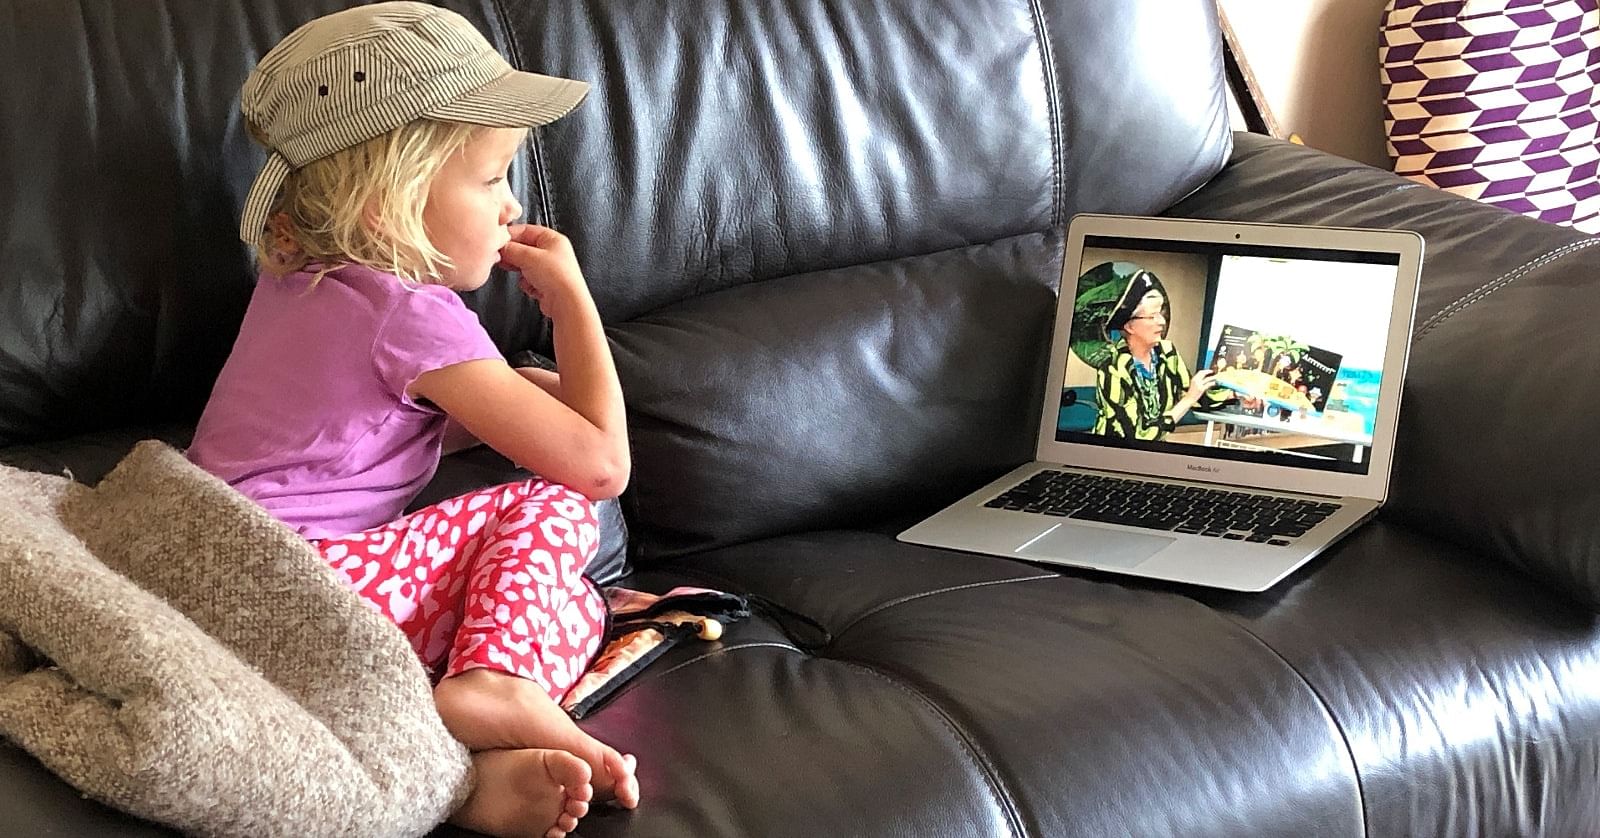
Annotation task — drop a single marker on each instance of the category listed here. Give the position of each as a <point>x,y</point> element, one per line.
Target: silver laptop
<point>1219,407</point>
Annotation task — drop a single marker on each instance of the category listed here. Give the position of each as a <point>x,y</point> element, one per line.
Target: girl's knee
<point>570,503</point>
<point>560,518</point>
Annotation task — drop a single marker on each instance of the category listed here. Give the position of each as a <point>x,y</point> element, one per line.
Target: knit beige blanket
<point>170,649</point>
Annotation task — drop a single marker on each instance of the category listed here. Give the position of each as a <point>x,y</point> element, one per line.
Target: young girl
<point>390,129</point>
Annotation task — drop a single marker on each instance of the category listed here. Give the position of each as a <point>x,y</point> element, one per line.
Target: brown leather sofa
<point>826,238</point>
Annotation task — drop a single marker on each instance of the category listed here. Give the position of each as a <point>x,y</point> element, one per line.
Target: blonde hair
<point>364,205</point>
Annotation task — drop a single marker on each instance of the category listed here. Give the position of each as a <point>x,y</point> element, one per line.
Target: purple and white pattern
<point>1497,100</point>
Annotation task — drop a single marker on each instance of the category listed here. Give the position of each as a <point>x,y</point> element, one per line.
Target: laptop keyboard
<point>1196,510</point>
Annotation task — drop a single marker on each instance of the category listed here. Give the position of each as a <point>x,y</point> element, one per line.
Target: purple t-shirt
<point>310,416</point>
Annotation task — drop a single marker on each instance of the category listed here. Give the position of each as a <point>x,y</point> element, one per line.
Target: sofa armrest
<point>1501,389</point>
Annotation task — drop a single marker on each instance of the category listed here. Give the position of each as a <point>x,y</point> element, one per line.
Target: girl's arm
<point>579,439</point>
<point>548,380</point>
<point>458,438</point>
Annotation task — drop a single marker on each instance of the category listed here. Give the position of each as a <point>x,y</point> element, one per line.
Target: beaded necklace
<point>1146,386</point>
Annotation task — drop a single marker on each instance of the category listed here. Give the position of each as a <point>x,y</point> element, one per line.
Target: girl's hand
<point>544,258</point>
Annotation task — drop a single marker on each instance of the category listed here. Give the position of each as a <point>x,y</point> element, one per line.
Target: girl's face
<point>470,204</point>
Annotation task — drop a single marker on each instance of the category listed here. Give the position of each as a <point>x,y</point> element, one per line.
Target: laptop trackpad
<point>1115,548</point>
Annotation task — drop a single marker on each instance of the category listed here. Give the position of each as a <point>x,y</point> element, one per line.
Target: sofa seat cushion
<point>966,695</point>
<point>1468,692</point>
<point>35,802</point>
<point>1394,686</point>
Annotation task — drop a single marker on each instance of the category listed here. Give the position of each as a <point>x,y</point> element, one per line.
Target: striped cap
<point>345,78</point>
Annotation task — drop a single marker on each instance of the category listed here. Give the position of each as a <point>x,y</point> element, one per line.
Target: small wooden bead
<point>710,629</point>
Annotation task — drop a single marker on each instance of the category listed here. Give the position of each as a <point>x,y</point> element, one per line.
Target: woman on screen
<point>1146,389</point>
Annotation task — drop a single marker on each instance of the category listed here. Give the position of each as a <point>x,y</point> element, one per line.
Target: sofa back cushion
<point>724,144</point>
<point>836,399</point>
<point>820,230</point>
<point>728,142</point>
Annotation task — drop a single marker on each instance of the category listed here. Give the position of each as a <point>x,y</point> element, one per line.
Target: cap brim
<point>253,218</point>
<point>515,100</point>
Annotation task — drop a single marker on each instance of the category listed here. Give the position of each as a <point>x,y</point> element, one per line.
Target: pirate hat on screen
<point>1142,282</point>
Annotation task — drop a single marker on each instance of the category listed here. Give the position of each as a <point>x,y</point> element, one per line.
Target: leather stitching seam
<point>1047,58</point>
<point>1484,290</point>
<point>905,599</point>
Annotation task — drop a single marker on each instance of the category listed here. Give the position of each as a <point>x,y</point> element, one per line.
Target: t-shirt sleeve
<point>429,328</point>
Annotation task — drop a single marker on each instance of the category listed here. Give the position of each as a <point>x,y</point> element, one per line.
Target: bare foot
<point>486,710</point>
<point>526,793</point>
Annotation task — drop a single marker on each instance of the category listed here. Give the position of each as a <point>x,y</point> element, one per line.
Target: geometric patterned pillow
<point>1497,100</point>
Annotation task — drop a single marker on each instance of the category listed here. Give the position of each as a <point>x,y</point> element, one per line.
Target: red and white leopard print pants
<point>493,578</point>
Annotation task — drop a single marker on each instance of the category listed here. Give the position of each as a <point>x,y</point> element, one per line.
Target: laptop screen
<point>1241,352</point>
